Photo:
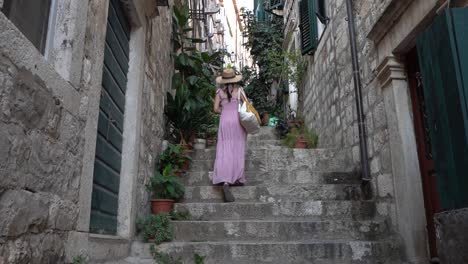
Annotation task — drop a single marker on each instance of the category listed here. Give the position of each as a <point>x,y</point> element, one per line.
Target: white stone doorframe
<point>132,121</point>
<point>393,40</point>
<point>131,134</point>
<point>409,200</point>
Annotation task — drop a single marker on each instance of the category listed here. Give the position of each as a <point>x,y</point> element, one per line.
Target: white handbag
<point>248,119</point>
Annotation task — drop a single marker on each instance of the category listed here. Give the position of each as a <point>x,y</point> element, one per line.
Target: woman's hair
<point>226,90</point>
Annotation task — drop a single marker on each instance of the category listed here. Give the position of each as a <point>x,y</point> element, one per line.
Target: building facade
<point>234,28</point>
<point>413,187</point>
<point>82,92</point>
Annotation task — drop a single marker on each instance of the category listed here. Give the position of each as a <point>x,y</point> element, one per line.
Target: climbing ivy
<point>265,41</point>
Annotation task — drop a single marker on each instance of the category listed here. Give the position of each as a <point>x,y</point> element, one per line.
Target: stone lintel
<point>392,13</point>
<point>390,69</point>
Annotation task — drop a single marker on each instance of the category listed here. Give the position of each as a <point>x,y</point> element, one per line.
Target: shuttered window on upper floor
<point>312,17</point>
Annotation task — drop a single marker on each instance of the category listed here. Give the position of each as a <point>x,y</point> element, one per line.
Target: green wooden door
<point>107,163</point>
<point>444,64</point>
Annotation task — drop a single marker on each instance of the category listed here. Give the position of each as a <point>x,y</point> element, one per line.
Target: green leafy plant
<point>163,258</point>
<point>158,227</point>
<point>166,185</point>
<point>79,260</point>
<point>174,155</point>
<point>189,109</point>
<point>198,259</point>
<point>311,138</point>
<point>180,216</point>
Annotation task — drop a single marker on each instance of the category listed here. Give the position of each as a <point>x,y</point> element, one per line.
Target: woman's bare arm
<point>217,104</point>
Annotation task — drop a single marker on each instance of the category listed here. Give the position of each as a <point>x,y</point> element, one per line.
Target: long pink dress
<point>230,150</point>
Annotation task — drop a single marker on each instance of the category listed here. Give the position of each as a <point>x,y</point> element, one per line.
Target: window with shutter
<point>31,17</point>
<point>308,26</point>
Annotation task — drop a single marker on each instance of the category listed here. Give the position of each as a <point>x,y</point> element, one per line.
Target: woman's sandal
<point>228,197</point>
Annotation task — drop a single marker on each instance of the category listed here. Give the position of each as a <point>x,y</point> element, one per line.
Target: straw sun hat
<point>228,76</point>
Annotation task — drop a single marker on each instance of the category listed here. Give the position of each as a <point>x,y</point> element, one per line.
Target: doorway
<point>108,159</point>
<point>424,145</point>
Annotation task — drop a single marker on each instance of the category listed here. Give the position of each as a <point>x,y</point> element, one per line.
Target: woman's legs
<point>228,197</point>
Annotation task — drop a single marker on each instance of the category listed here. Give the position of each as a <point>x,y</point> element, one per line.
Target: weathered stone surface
<point>271,192</point>
<point>49,107</point>
<point>34,249</point>
<point>277,230</point>
<point>325,252</point>
<point>23,212</point>
<point>452,241</point>
<point>157,81</point>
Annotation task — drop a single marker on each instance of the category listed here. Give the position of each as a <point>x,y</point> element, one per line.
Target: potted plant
<point>301,137</point>
<point>166,188</point>
<point>265,118</point>
<point>156,227</point>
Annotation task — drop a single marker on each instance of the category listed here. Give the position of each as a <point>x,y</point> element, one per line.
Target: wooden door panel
<point>443,79</point>
<point>107,165</point>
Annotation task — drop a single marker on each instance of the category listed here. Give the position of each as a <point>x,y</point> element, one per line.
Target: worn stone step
<point>274,230</point>
<point>287,159</point>
<point>260,252</point>
<point>272,193</point>
<point>282,155</point>
<point>279,177</point>
<point>265,133</point>
<point>285,210</point>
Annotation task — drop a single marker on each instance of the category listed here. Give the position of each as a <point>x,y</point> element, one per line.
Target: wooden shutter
<point>444,62</point>
<point>261,14</point>
<point>308,26</point>
<point>107,163</point>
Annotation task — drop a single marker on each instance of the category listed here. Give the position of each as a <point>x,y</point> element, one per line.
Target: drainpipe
<point>358,95</point>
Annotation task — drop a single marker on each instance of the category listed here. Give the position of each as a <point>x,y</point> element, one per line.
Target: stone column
<point>411,219</point>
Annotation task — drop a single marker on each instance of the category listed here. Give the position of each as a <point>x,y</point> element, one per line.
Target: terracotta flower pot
<point>211,142</point>
<point>301,143</point>
<point>265,119</point>
<point>161,206</point>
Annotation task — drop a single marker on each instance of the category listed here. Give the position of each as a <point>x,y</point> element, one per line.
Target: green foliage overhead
<point>158,227</point>
<point>189,108</point>
<point>274,63</point>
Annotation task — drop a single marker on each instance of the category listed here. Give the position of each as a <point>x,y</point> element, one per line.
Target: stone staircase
<point>298,206</point>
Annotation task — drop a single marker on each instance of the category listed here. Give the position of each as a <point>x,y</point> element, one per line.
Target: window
<point>31,17</point>
<point>313,19</point>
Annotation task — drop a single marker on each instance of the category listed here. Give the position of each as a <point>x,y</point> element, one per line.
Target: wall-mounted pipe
<point>366,177</point>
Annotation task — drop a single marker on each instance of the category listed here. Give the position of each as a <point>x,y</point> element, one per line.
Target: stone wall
<point>41,139</point>
<point>385,32</point>
<point>48,122</point>
<point>157,81</point>
<point>329,101</point>
<point>452,241</point>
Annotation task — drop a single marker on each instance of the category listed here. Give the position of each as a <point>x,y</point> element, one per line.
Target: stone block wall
<point>329,100</point>
<point>48,119</point>
<point>452,241</point>
<point>157,82</point>
<point>41,141</point>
